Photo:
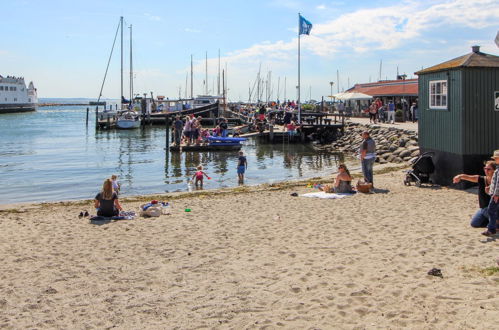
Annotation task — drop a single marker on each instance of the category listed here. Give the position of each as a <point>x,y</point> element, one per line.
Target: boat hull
<point>13,108</point>
<point>127,124</point>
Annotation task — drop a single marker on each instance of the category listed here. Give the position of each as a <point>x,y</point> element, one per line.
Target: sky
<point>64,46</point>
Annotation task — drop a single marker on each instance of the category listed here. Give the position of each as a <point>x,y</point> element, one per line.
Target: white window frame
<point>446,94</point>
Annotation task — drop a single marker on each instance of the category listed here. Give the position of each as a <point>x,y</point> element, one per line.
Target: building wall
<point>480,121</point>
<point>441,129</point>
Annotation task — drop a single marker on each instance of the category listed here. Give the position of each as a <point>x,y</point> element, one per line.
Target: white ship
<point>15,97</point>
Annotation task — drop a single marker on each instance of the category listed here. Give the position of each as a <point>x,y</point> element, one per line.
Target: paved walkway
<point>406,125</point>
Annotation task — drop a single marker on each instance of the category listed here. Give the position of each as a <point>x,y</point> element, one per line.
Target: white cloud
<point>152,17</point>
<point>320,7</point>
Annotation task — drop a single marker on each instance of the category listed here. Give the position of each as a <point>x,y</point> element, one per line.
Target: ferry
<point>15,97</point>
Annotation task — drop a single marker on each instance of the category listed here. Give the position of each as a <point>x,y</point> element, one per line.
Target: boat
<point>15,97</point>
<point>128,119</point>
<point>215,143</point>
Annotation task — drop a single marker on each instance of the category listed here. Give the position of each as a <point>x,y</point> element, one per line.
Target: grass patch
<point>489,271</point>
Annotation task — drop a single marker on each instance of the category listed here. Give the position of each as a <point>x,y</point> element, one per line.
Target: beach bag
<point>364,187</point>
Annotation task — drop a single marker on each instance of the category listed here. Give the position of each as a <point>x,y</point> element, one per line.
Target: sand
<point>258,260</point>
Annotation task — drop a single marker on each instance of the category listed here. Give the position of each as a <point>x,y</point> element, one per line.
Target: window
<point>438,94</point>
<point>1,88</point>
<point>15,99</point>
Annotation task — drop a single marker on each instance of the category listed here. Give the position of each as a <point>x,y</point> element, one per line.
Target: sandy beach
<point>258,259</point>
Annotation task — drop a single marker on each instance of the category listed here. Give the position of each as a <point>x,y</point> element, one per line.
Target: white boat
<point>15,97</point>
<point>128,119</point>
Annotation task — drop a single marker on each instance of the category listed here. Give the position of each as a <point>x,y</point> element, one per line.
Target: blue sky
<point>63,46</point>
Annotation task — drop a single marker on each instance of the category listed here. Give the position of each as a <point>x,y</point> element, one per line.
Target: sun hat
<point>496,154</point>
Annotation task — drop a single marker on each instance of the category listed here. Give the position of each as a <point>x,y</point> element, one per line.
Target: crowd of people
<point>385,113</point>
<point>190,130</point>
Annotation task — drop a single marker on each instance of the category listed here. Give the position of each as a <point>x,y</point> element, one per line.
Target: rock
<point>415,153</point>
<point>390,158</point>
<point>397,160</point>
<point>412,148</point>
<point>382,161</point>
<point>398,151</point>
<point>392,147</point>
<point>402,142</point>
<point>404,153</point>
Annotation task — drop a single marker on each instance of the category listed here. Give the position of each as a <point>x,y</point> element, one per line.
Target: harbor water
<point>51,155</point>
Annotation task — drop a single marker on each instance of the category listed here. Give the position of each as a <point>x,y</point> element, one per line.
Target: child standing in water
<point>199,176</point>
<point>116,184</point>
<point>242,165</point>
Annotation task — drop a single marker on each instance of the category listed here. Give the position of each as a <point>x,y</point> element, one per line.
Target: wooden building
<point>459,113</point>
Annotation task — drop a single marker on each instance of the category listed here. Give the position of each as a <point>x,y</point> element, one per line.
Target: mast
<point>380,67</point>
<point>192,80</point>
<point>186,79</point>
<point>131,67</point>
<point>218,77</point>
<point>121,26</point>
<point>206,80</point>
<point>278,86</point>
<point>298,97</point>
<point>338,80</point>
<point>285,100</point>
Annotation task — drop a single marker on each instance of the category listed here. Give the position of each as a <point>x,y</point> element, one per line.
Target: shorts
<point>241,169</point>
<point>187,134</point>
<point>261,117</point>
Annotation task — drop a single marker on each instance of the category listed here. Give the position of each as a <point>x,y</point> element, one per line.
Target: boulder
<point>404,153</point>
<point>415,153</point>
<point>398,151</point>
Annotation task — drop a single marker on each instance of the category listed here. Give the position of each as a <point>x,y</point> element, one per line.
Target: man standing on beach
<point>391,112</point>
<point>367,156</point>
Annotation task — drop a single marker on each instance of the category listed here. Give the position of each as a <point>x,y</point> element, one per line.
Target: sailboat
<point>126,117</point>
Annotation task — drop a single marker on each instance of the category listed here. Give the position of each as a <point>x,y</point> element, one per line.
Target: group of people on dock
<point>190,130</point>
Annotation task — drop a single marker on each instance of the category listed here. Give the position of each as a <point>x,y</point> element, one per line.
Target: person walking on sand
<point>367,156</point>
<point>242,166</point>
<point>494,199</point>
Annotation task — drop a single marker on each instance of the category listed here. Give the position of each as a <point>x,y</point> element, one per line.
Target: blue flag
<point>305,26</point>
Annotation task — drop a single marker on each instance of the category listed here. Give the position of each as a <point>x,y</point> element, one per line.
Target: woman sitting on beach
<point>481,216</point>
<point>342,182</point>
<point>106,202</point>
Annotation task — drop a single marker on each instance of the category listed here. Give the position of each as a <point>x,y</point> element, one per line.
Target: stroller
<point>422,167</point>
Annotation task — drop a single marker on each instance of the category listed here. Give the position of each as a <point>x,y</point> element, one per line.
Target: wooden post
<point>167,133</point>
<point>108,122</point>
<point>86,121</point>
<point>97,117</point>
<point>271,133</point>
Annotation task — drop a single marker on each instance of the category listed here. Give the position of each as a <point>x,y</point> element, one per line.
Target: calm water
<point>50,155</point>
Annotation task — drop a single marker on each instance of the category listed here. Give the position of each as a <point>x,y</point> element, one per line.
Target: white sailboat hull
<point>127,123</point>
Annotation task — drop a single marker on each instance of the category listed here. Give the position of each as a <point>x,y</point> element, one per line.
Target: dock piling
<point>167,132</point>
<point>97,117</point>
<point>86,121</point>
<point>271,133</point>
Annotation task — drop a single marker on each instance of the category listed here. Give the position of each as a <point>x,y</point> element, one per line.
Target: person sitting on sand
<point>199,176</point>
<point>106,202</point>
<point>481,216</point>
<point>343,181</point>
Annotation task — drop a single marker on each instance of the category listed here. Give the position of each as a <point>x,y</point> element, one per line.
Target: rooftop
<point>475,59</point>
<point>399,87</point>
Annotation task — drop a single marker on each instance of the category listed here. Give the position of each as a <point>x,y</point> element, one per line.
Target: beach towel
<point>322,194</point>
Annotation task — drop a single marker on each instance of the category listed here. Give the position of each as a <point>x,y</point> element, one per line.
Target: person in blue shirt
<point>391,112</point>
<point>242,165</point>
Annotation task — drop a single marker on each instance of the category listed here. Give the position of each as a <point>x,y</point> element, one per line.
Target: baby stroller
<point>422,168</point>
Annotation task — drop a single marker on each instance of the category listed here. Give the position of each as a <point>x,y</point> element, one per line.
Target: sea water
<point>51,155</point>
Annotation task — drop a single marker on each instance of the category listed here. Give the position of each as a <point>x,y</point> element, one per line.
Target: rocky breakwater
<point>393,145</point>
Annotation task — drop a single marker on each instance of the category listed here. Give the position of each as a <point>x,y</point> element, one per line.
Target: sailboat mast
<point>218,89</point>
<point>131,66</point>
<point>121,95</point>
<point>285,89</point>
<point>192,79</point>
<point>206,80</point>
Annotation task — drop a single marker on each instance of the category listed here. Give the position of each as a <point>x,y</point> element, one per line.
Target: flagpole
<point>298,100</point>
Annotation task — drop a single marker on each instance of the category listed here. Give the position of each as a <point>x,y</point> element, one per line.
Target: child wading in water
<point>199,176</point>
<point>242,165</point>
